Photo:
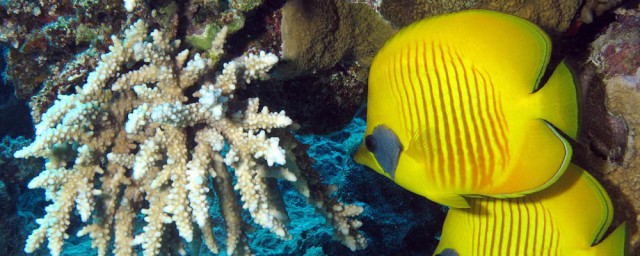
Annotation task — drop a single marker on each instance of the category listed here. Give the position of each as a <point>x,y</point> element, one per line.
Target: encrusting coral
<point>611,80</point>
<point>132,142</point>
<point>553,16</point>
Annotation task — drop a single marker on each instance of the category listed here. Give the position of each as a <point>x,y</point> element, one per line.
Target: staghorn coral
<point>132,142</point>
<point>52,45</point>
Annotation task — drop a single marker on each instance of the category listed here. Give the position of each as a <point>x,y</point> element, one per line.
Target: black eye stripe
<point>370,143</point>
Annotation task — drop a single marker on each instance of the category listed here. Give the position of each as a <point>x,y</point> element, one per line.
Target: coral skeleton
<point>130,142</point>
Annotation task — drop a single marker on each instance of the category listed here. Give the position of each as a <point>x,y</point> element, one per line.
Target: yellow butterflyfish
<point>570,217</point>
<point>457,106</point>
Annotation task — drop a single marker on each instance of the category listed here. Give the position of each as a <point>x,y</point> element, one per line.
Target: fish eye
<point>370,143</point>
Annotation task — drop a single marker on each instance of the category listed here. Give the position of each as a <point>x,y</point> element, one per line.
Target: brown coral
<point>623,99</point>
<point>609,144</point>
<point>317,34</point>
<point>553,16</point>
<point>43,37</point>
<point>327,47</point>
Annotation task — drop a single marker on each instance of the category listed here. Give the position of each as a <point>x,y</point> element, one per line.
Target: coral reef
<point>317,51</point>
<point>133,142</point>
<point>53,45</point>
<point>159,138</point>
<point>327,47</point>
<point>320,103</point>
<point>60,45</point>
<point>609,144</point>
<point>316,35</point>
<point>404,12</point>
<point>623,99</point>
<point>593,8</point>
<point>45,36</point>
<point>553,16</point>
<point>614,52</point>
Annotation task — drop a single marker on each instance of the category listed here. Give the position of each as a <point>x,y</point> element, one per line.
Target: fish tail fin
<point>558,99</point>
<point>615,244</point>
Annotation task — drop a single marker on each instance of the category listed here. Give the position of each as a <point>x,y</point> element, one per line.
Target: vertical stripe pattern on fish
<point>455,108</point>
<point>570,217</point>
<point>469,106</point>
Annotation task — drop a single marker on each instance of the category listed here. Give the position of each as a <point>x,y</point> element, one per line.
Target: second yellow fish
<point>570,217</point>
<point>459,105</point>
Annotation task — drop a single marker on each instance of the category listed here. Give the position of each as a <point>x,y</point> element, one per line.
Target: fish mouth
<point>363,156</point>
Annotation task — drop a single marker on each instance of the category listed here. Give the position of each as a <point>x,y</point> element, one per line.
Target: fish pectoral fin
<point>551,154</point>
<point>451,200</point>
<point>418,145</point>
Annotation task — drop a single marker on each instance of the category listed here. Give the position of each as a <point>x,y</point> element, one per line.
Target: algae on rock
<point>610,146</point>
<point>553,16</point>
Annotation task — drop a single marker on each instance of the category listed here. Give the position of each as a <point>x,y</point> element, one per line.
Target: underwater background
<point>324,49</point>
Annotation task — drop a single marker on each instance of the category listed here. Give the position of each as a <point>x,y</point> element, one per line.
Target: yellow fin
<point>511,49</point>
<point>417,145</point>
<point>578,188</point>
<point>545,156</point>
<point>415,183</point>
<point>558,101</point>
<point>614,245</point>
<point>576,208</point>
<point>451,200</point>
<point>604,210</point>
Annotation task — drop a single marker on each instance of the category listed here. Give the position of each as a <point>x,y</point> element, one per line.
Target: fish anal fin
<point>451,200</point>
<point>615,244</point>
<point>543,158</point>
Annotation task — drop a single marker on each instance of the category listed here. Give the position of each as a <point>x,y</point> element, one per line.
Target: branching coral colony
<point>123,146</point>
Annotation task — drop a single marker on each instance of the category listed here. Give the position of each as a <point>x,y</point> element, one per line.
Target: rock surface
<point>553,16</point>
<point>327,48</point>
<point>610,144</point>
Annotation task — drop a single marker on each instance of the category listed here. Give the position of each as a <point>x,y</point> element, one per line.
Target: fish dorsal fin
<point>577,189</point>
<point>513,50</point>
